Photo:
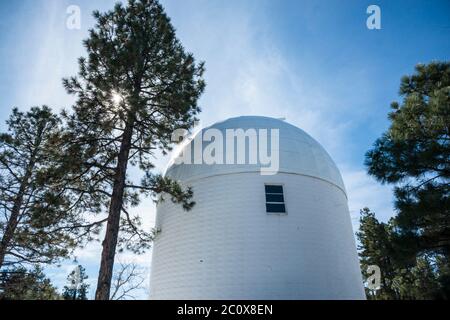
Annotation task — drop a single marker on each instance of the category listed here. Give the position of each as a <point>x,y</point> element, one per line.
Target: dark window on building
<point>275,199</point>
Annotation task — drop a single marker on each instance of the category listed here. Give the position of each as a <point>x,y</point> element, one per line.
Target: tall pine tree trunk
<point>115,208</point>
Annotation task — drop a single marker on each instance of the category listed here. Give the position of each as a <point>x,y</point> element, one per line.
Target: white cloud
<point>364,191</point>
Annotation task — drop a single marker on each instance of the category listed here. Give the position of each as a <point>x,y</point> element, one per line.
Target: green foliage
<point>418,282</point>
<point>36,210</point>
<point>21,284</point>
<point>414,156</point>
<point>136,80</point>
<point>424,277</point>
<point>375,249</point>
<point>136,85</point>
<point>77,288</point>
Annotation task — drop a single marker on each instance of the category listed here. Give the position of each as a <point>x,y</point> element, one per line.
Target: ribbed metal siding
<point>228,247</point>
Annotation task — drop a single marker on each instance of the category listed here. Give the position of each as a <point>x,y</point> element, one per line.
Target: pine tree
<point>414,154</point>
<point>136,86</point>
<point>77,288</point>
<point>36,217</point>
<point>19,283</point>
<point>419,282</point>
<point>420,278</point>
<point>375,249</point>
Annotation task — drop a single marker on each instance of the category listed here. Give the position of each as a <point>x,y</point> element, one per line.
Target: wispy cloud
<point>364,191</point>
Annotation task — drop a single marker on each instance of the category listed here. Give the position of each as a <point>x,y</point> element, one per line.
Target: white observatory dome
<point>299,153</point>
<point>286,234</point>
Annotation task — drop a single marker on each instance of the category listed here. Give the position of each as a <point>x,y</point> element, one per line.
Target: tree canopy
<point>77,288</point>
<point>37,215</point>
<point>414,156</point>
<point>18,283</point>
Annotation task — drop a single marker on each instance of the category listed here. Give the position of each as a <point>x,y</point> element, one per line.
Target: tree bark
<point>115,208</point>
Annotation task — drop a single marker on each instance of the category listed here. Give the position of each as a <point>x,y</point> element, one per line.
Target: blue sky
<point>313,62</point>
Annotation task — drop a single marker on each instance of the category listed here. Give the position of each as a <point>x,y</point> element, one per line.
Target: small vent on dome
<point>275,199</point>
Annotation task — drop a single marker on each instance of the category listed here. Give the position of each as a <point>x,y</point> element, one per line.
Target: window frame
<point>280,213</point>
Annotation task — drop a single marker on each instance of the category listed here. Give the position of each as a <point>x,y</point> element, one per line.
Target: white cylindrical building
<point>257,236</point>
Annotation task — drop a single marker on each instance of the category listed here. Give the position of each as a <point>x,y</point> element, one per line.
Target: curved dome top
<point>298,152</point>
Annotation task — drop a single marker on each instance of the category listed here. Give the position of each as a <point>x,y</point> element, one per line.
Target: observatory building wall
<point>230,248</point>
